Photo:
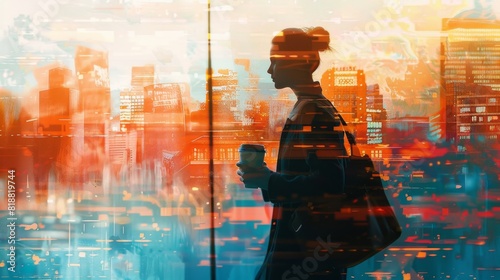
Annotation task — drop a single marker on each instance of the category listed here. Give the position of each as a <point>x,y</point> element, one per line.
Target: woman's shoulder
<point>306,110</point>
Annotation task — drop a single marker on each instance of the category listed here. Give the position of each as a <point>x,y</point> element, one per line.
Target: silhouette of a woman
<point>311,134</point>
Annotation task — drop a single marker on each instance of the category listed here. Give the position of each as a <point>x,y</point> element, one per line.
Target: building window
<point>464,128</point>
<point>464,109</point>
<point>480,109</point>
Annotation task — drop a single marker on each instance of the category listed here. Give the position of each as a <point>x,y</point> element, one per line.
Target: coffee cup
<point>251,155</point>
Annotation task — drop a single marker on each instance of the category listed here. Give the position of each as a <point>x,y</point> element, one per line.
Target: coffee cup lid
<point>252,147</point>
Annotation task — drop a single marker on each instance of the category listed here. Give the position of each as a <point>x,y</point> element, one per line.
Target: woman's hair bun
<point>320,38</point>
<point>314,39</point>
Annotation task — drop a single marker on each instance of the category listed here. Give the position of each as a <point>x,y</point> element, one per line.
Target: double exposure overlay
<point>120,123</point>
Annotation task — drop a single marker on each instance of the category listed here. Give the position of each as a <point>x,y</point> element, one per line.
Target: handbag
<point>344,229</point>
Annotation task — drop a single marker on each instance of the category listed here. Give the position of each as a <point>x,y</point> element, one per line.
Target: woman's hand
<point>254,177</point>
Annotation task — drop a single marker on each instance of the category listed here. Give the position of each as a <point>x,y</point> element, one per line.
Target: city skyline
<point>166,108</point>
<point>110,169</point>
<point>135,95</point>
<point>389,45</point>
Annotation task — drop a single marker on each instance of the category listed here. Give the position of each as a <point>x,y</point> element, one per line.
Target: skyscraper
<point>473,114</point>
<point>94,108</point>
<point>93,82</point>
<point>132,101</point>
<point>471,52</point>
<point>470,73</point>
<point>346,88</point>
<point>375,115</point>
<point>55,106</point>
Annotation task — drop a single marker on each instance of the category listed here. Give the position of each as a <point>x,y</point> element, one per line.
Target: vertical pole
<point>211,149</point>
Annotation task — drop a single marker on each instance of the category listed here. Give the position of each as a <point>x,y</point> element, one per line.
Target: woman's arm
<point>314,156</point>
<point>326,176</point>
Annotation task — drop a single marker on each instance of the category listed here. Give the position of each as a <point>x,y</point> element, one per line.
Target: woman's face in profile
<point>278,76</point>
<point>288,71</point>
<point>283,71</point>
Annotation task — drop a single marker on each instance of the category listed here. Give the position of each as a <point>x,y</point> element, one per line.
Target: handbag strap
<point>353,148</point>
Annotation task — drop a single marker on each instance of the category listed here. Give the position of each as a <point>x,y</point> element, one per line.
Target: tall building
<point>164,119</point>
<point>375,115</point>
<point>473,115</point>
<point>55,104</point>
<point>471,52</point>
<point>92,73</point>
<point>94,109</point>
<point>128,105</point>
<point>470,73</point>
<point>346,88</point>
<point>132,108</point>
<point>132,100</point>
